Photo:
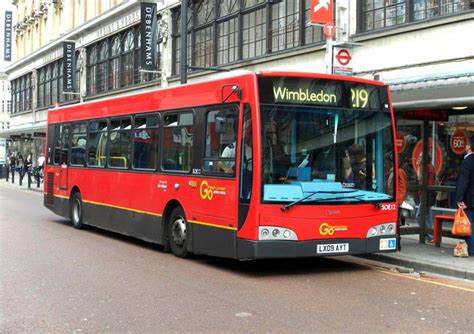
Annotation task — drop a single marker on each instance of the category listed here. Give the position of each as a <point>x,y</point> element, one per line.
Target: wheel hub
<point>179,231</point>
<point>76,212</point>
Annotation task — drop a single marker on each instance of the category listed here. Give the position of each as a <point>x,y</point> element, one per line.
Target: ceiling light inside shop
<point>459,108</point>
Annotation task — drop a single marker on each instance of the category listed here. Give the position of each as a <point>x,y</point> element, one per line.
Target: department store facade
<point>420,48</point>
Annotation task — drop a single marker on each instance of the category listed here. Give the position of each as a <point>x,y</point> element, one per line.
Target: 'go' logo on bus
<point>326,229</point>
<point>205,191</point>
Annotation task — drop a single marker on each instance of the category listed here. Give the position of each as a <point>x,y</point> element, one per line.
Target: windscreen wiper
<point>357,197</point>
<point>376,204</point>
<point>289,205</point>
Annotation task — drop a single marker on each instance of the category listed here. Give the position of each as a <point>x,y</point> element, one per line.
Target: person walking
<point>465,189</point>
<point>27,165</point>
<point>431,196</point>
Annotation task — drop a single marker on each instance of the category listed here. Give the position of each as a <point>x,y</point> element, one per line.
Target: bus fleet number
<point>388,207</point>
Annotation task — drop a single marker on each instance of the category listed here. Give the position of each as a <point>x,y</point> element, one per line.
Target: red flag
<point>322,11</point>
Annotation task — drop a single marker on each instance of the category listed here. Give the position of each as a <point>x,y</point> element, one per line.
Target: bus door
<point>61,155</point>
<point>246,167</point>
<point>63,176</point>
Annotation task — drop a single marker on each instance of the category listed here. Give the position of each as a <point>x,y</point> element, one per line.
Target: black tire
<point>76,211</point>
<point>178,233</point>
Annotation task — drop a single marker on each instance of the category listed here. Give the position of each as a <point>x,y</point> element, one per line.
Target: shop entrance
<point>431,146</point>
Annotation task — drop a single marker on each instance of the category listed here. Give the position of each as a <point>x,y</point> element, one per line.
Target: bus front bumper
<point>251,249</point>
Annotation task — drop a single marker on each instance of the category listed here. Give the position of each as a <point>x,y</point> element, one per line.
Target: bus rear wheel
<point>177,233</point>
<point>76,211</point>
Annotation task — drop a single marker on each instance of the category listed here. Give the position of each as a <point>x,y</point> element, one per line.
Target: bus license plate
<point>333,248</point>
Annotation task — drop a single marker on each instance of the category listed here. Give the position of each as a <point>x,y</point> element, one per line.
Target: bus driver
<point>228,152</point>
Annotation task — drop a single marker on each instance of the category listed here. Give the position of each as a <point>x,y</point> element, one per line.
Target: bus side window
<point>61,144</point>
<point>145,141</point>
<point>221,141</point>
<point>97,143</point>
<point>65,146</point>
<point>78,144</point>
<point>57,144</point>
<point>177,149</point>
<point>120,143</point>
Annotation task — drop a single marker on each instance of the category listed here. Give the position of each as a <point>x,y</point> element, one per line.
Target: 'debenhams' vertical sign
<point>148,35</point>
<point>69,59</point>
<point>7,56</point>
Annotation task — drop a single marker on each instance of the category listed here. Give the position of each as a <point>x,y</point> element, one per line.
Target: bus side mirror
<point>230,90</point>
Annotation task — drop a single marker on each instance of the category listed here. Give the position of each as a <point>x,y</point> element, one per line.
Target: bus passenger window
<point>145,142</point>
<point>79,141</point>
<point>61,144</point>
<point>120,143</point>
<point>65,146</point>
<point>178,141</point>
<point>97,143</point>
<point>57,144</point>
<point>221,137</point>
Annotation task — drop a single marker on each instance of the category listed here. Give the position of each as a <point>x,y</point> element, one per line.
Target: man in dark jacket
<point>465,189</point>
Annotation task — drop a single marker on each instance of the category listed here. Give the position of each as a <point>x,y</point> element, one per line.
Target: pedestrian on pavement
<point>27,165</point>
<point>465,188</point>
<point>19,163</point>
<point>431,196</point>
<point>12,163</point>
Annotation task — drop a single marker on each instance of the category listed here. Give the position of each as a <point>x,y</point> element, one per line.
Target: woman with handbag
<point>465,189</point>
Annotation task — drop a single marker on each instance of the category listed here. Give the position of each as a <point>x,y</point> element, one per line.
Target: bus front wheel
<point>177,233</point>
<point>76,211</point>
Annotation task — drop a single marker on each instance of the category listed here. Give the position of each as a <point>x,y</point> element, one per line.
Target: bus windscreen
<point>325,141</point>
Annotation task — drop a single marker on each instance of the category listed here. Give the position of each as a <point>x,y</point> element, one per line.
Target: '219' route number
<point>359,97</point>
<point>388,207</point>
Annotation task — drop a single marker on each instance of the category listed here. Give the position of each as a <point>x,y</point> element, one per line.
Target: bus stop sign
<point>342,61</point>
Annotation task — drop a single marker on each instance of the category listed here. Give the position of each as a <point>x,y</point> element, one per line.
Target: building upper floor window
<point>114,62</point>
<point>228,31</point>
<point>378,14</point>
<point>49,80</point>
<point>21,93</point>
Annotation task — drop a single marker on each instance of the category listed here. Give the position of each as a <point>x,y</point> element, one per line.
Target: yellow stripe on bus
<point>60,196</point>
<point>213,225</point>
<point>151,213</point>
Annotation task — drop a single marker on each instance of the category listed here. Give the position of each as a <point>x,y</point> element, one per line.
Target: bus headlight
<point>276,233</point>
<point>381,230</point>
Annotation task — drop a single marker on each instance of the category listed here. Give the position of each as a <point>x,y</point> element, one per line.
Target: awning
<point>433,92</point>
<point>24,129</point>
